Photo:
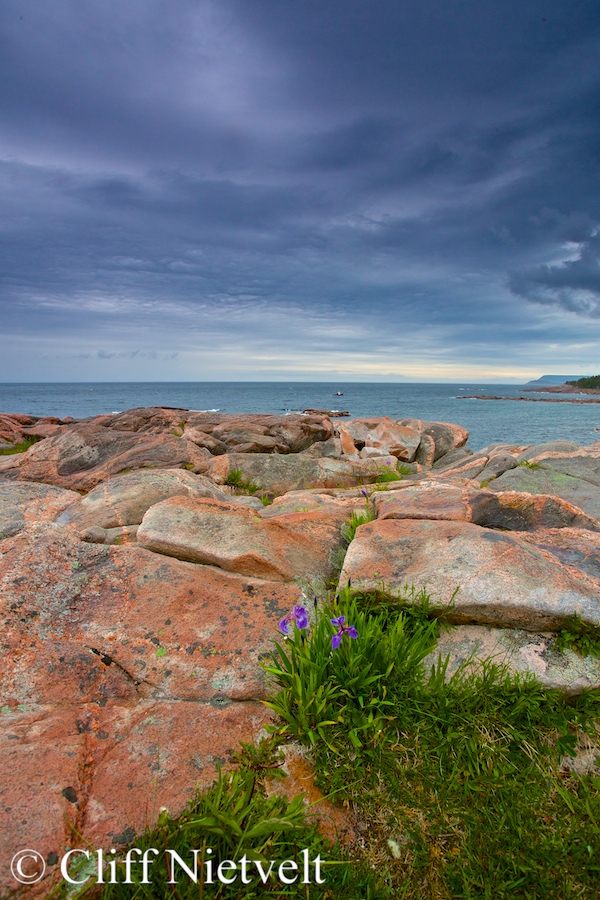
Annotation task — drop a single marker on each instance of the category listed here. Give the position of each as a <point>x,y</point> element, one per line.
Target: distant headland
<point>551,384</point>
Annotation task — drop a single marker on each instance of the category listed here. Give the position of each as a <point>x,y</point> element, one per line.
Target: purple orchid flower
<point>299,616</point>
<point>342,629</point>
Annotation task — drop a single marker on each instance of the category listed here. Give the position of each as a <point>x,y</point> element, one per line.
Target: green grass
<point>580,636</point>
<point>348,528</point>
<point>387,475</point>
<point>235,819</point>
<point>19,448</point>
<point>236,479</point>
<point>525,463</point>
<point>457,783</point>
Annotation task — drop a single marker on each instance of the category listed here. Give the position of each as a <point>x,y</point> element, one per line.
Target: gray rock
<point>548,479</point>
<point>123,500</point>
<point>454,457</point>
<point>582,467</point>
<point>425,451</point>
<point>23,503</point>
<point>549,447</point>
<point>497,465</point>
<point>447,436</point>
<point>520,651</point>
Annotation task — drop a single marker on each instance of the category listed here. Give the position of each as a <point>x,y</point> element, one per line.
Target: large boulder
<point>290,545</point>
<point>406,439</point>
<point>394,440</point>
<point>285,434</point>
<point>279,474</point>
<point>547,477</point>
<point>479,575</point>
<point>124,499</point>
<point>506,510</point>
<point>446,435</point>
<point>82,456</point>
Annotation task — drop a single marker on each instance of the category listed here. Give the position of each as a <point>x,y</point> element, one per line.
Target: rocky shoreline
<point>531,399</point>
<point>146,558</point>
<point>563,389</point>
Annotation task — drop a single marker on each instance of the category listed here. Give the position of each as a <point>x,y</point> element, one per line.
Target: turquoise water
<point>487,421</point>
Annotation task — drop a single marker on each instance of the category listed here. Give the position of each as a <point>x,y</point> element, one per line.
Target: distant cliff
<point>547,380</point>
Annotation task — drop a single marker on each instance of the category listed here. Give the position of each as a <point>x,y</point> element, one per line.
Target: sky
<point>282,190</point>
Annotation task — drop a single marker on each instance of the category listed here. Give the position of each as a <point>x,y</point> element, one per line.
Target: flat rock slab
<point>425,500</point>
<point>124,499</point>
<point>280,474</point>
<point>583,465</point>
<point>72,611</point>
<point>83,455</point>
<point>126,676</point>
<point>292,545</point>
<point>340,504</point>
<point>549,448</point>
<point>523,652</point>
<point>23,504</point>
<point>477,575</point>
<point>549,479</point>
<point>507,510</point>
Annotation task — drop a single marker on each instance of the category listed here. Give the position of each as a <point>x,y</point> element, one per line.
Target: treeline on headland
<point>592,382</point>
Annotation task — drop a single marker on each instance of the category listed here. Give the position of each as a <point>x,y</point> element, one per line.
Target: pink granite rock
<point>475,574</point>
<point>288,546</point>
<point>292,472</point>
<point>126,676</point>
<point>348,445</point>
<point>24,503</point>
<point>11,427</point>
<point>83,455</point>
<point>124,499</point>
<point>394,440</point>
<point>507,510</point>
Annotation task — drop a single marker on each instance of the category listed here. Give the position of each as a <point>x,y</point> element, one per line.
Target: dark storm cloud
<point>573,285</point>
<point>412,178</point>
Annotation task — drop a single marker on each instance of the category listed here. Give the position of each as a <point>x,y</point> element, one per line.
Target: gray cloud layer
<point>264,189</point>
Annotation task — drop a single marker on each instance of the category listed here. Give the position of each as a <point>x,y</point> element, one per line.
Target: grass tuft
<point>236,479</point>
<point>21,447</point>
<point>580,636</point>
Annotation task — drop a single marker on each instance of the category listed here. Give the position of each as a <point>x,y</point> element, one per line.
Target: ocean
<point>488,421</point>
